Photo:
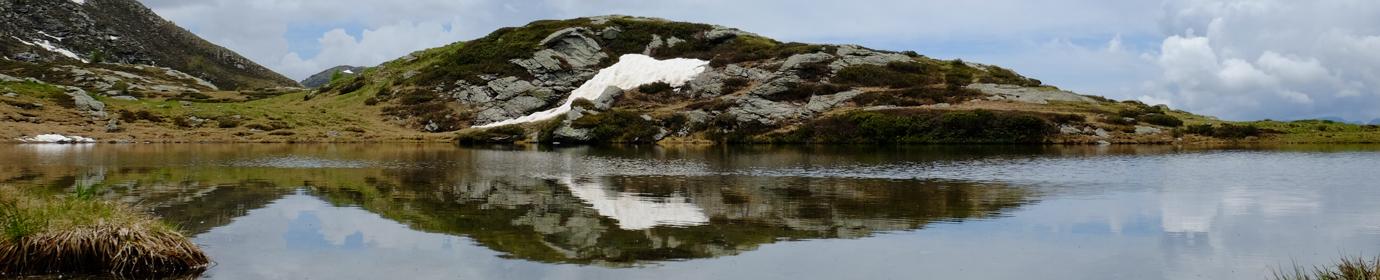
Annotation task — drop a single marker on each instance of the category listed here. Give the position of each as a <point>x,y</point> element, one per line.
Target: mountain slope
<point>323,78</point>
<point>121,31</point>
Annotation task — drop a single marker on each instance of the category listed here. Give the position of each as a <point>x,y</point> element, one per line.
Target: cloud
<point>1270,59</point>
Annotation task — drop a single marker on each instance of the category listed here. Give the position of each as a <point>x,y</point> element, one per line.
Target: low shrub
<point>803,91</point>
<point>1163,120</point>
<point>1226,130</point>
<point>732,85</point>
<point>618,126</point>
<point>507,133</point>
<point>1069,118</point>
<point>921,127</point>
<point>655,88</point>
<point>227,122</point>
<point>270,126</point>
<point>282,133</point>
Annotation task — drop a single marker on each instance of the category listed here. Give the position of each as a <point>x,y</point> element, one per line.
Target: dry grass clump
<point>1347,269</point>
<point>81,234</point>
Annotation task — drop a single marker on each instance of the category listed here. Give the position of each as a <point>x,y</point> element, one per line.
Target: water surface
<point>435,211</point>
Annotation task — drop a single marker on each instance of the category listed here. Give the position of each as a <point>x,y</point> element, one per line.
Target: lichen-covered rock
<point>796,60</point>
<point>1148,130</point>
<point>112,126</point>
<point>824,103</point>
<point>777,85</point>
<point>1069,129</point>
<point>85,103</point>
<point>850,55</point>
<point>707,84</point>
<point>605,100</point>
<point>758,75</point>
<point>721,33</point>
<point>1029,95</point>
<point>760,110</point>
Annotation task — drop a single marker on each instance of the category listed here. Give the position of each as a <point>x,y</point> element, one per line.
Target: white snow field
<point>632,70</point>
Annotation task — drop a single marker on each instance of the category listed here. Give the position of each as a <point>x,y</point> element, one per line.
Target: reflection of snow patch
<point>632,70</point>
<point>81,2</point>
<point>633,212</point>
<point>57,138</point>
<point>49,46</point>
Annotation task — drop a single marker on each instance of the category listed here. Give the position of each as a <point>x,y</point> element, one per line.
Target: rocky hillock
<point>125,32</point>
<point>325,77</point>
<point>751,89</point>
<point>594,80</point>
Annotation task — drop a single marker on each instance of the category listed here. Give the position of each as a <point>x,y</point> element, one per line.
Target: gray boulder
<point>796,60</point>
<point>522,105</point>
<point>85,102</point>
<point>610,33</point>
<point>605,100</point>
<point>7,78</point>
<point>509,87</point>
<point>709,83</point>
<point>1029,95</point>
<point>112,126</point>
<point>1069,129</point>
<point>824,103</point>
<point>735,71</point>
<point>760,110</point>
<point>850,55</point>
<point>720,33</point>
<point>777,85</point>
<point>29,57</point>
<point>1148,130</point>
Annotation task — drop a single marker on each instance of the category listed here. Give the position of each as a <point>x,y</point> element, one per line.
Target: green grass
<point>1346,269</point>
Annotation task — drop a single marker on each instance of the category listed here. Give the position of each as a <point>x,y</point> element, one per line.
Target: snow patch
<point>57,138</point>
<point>49,46</point>
<point>632,70</point>
<point>638,213</point>
<point>50,36</point>
<point>347,71</point>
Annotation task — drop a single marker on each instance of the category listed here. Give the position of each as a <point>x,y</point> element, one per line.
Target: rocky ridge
<point>121,31</point>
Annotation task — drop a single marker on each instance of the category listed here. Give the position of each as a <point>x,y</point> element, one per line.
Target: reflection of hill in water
<point>543,220</point>
<point>584,205</point>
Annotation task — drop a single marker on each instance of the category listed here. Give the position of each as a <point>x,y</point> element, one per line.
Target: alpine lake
<point>444,211</point>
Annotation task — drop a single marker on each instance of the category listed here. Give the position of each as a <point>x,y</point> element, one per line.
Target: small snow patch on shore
<point>56,138</point>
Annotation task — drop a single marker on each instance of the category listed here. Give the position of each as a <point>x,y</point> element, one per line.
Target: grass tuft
<point>1346,269</point>
<point>82,234</point>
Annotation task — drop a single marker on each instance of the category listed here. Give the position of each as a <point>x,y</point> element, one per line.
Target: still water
<point>435,211</point>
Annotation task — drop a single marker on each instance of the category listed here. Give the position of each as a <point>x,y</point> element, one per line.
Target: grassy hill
<point>754,90</point>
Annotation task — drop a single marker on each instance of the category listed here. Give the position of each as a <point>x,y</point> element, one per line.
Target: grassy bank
<point>1347,269</point>
<point>79,233</point>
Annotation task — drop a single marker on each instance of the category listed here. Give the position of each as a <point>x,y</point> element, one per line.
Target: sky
<point>1234,59</point>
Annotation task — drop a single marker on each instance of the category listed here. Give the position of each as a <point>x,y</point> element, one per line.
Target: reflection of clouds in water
<point>326,242</point>
<point>337,225</point>
<point>634,212</point>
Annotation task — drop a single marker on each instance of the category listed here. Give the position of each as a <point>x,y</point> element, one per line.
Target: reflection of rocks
<point>622,221</point>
